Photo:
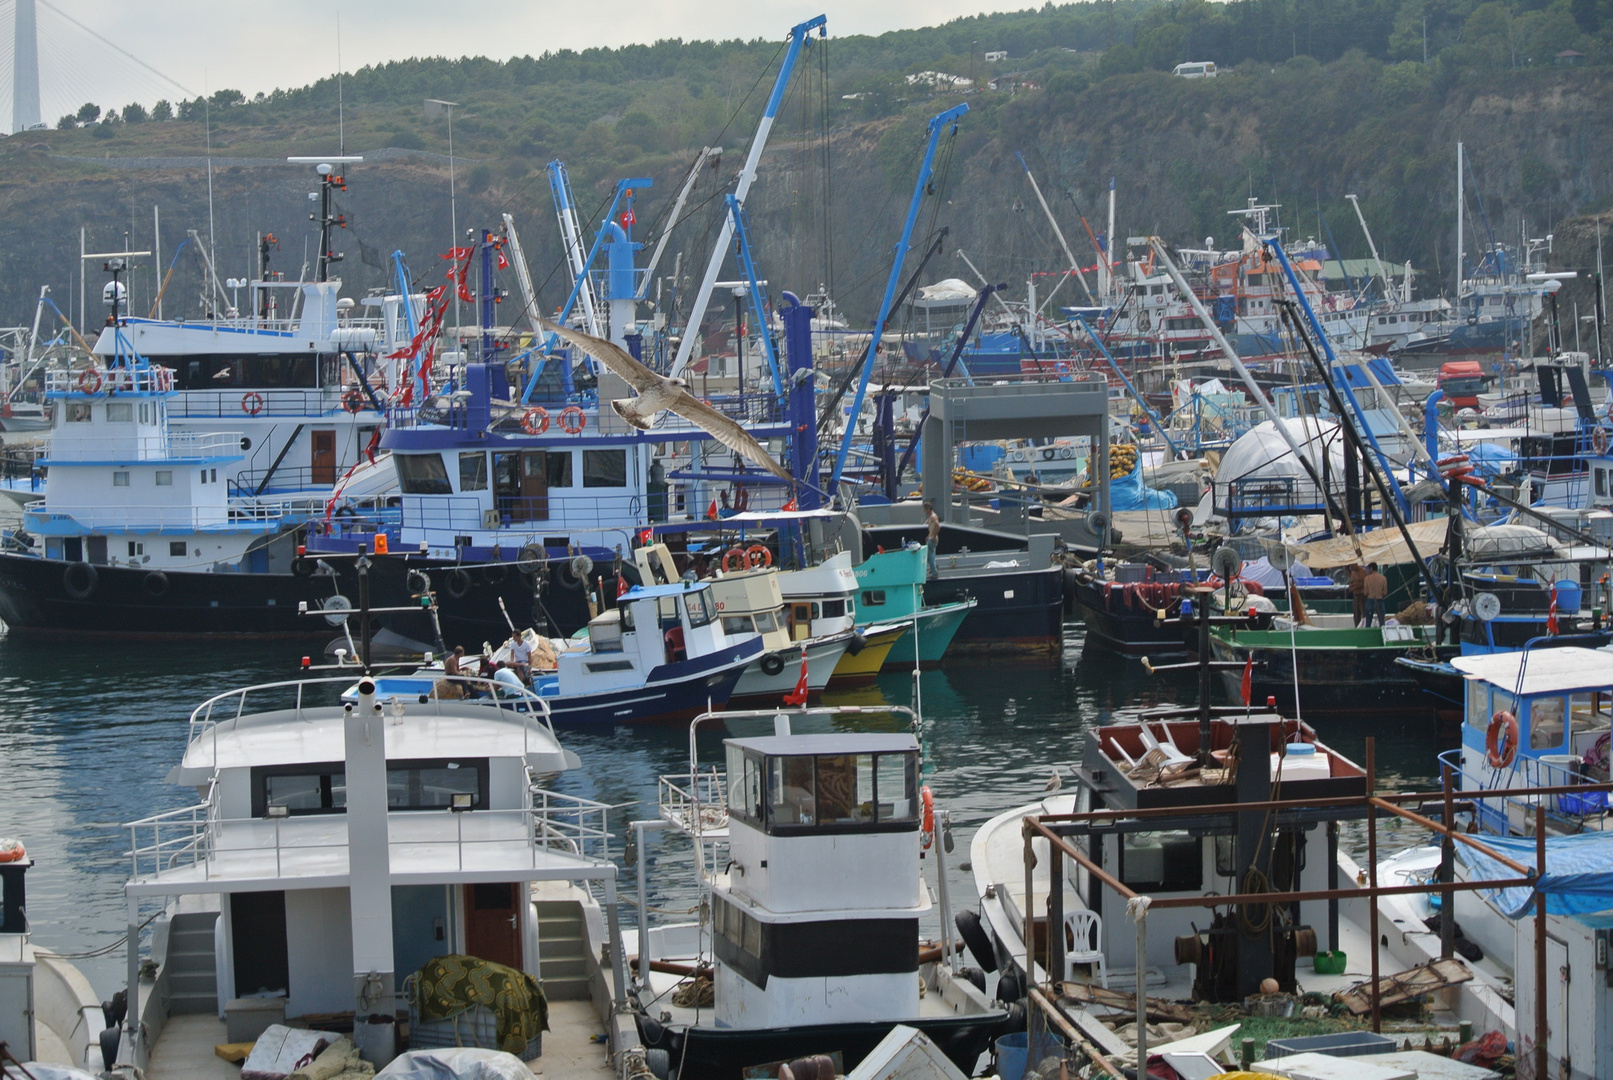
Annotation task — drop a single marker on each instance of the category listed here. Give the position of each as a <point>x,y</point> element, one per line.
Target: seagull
<point>657,393</point>
<point>1055,782</point>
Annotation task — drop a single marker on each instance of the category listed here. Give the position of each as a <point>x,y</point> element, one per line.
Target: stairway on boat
<point>192,969</point>
<point>563,949</point>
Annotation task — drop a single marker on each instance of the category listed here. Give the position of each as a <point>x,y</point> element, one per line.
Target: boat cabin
<point>338,848</point>
<point>806,813</point>
<point>648,627</point>
<point>822,600</point>
<point>1549,713</point>
<point>751,603</point>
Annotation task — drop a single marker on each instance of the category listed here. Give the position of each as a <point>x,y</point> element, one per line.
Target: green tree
<point>223,99</point>
<point>641,130</point>
<point>134,113</point>
<point>162,111</point>
<point>88,113</point>
<point>67,123</point>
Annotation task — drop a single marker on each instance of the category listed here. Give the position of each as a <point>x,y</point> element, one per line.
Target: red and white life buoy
<point>735,560</point>
<point>758,557</point>
<point>252,403</point>
<point>535,421</point>
<point>572,420</point>
<point>89,381</point>
<point>353,400</point>
<point>1501,741</point>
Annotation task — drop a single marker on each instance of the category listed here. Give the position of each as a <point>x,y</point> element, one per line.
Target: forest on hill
<point>1314,100</point>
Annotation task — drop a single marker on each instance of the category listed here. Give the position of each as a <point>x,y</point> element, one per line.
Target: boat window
<point>873,597</point>
<point>410,785</point>
<point>736,625</point>
<point>1500,701</point>
<point>834,609</point>
<point>627,618</point>
<point>767,622</point>
<point>737,927</point>
<point>895,780</point>
<point>1166,861</point>
<point>165,478</point>
<point>604,468</point>
<point>78,412</point>
<point>119,412</point>
<point>558,466</point>
<point>701,608</point>
<point>1590,712</point>
<point>422,474</point>
<point>744,785</point>
<point>1545,723</point>
<point>145,412</point>
<point>176,549</point>
<point>845,789</point>
<point>120,478</point>
<point>473,471</point>
<point>1601,481</point>
<point>790,791</point>
<point>1478,703</point>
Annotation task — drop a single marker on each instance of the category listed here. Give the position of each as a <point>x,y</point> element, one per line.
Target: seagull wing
<point>726,431</point>
<point>613,356</point>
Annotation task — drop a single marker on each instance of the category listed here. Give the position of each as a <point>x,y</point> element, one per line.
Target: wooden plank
<point>1405,985</point>
<point>1158,1009</point>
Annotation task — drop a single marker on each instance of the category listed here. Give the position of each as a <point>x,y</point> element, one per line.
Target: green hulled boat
<point>891,589</point>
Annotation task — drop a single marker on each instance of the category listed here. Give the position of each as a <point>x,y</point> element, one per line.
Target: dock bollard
<point>1246,1054</point>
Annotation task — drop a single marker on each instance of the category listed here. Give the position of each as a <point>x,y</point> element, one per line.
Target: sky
<point>206,45</point>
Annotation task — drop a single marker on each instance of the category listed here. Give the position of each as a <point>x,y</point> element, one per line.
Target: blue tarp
<point>1490,460</point>
<point>1129,493</point>
<point>1578,878</point>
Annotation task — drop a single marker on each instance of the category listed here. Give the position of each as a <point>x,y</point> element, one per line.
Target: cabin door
<point>322,459</point>
<point>535,485</point>
<point>258,939</point>
<point>493,923</point>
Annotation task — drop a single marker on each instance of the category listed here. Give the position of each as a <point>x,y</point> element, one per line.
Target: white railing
<point>136,519</point>
<point>1508,814</point>
<point>105,381</point>
<point>524,707</point>
<point>178,446</point>
<point>570,824</point>
<point>683,797</point>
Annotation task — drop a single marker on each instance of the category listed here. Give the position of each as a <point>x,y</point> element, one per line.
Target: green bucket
<point>1330,963</point>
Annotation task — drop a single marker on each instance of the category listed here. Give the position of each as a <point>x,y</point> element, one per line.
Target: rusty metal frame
<point>1370,803</point>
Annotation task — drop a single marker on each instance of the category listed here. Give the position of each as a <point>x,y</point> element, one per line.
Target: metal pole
<point>1372,878</point>
<point>131,1024</point>
<point>1028,918</point>
<point>1542,1032</point>
<point>613,919</point>
<point>946,900</point>
<point>1447,872</point>
<point>1142,991</point>
<point>156,246</point>
<point>1058,232</point>
<point>1055,915</point>
<point>643,909</point>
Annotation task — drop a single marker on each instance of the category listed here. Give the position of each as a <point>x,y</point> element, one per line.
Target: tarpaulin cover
<point>1490,459</point>
<point>1263,454</point>
<point>1578,878</point>
<point>1268,576</point>
<point>1382,546</point>
<point>1500,543</point>
<point>1130,493</point>
<point>449,985</point>
<point>456,1063</point>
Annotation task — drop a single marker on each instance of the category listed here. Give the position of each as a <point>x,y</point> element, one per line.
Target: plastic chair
<point>1083,944</point>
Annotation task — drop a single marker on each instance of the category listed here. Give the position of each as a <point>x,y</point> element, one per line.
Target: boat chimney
<point>370,879</point>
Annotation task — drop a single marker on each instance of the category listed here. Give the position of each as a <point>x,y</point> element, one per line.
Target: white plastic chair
<point>1083,941</point>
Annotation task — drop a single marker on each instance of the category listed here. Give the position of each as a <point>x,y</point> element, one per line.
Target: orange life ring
<point>11,851</point>
<point>89,381</point>
<point>1501,754</point>
<point>572,420</point>
<point>353,400</point>
<point>757,557</point>
<point>252,403</point>
<point>535,421</point>
<point>927,829</point>
<point>734,560</point>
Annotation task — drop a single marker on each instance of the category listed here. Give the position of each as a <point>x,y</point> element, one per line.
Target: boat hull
<point>934,629</point>
<point>1020,611</point>
<point>673,692</point>
<point>1347,680</point>
<point>1126,627</point>
<point>757,686</point>
<point>867,662</point>
<point>135,602</point>
<point>713,1053</point>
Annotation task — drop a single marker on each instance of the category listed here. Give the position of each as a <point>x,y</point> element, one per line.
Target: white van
<point>1196,69</point>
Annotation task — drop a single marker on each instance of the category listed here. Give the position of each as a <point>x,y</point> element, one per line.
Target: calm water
<point>87,733</point>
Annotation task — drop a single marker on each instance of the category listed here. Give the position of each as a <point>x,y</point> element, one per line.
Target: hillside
<point>1333,106</point>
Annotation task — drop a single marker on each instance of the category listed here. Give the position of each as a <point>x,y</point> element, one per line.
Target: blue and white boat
<point>661,654</point>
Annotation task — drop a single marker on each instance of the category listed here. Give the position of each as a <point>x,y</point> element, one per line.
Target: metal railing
<point>169,445</point>
<point>99,381</point>
<point>514,705</point>
<point>144,519</point>
<point>248,402</point>
<point>571,824</point>
<point>454,515</point>
<point>1515,816</point>
<point>684,797</point>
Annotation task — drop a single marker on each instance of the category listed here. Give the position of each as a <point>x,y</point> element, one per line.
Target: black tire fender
<point>157,583</point>
<point>458,583</point>
<point>974,935</point>
<point>857,643</point>
<point>495,573</point>
<point>771,663</point>
<point>416,582</point>
<point>80,579</point>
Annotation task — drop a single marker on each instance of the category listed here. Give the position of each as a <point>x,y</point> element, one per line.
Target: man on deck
<point>1358,594</point>
<point>932,527</point>
<point>1376,588</point>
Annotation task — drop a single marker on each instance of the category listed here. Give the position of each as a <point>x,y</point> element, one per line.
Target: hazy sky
<point>261,46</point>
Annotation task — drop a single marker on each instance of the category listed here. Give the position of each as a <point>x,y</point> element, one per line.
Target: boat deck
<point>184,1050</point>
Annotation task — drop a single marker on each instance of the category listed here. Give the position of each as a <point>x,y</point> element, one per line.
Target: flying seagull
<point>657,393</point>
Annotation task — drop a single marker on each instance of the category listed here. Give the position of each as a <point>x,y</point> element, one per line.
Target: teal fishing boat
<point>891,589</point>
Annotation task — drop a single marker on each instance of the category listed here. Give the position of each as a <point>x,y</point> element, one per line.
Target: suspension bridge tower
<point>24,68</point>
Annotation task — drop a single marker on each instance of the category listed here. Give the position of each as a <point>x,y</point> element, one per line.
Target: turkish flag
<point>621,586</point>
<point>790,506</point>
<point>1248,678</point>
<point>645,536</point>
<point>798,696</point>
<point>711,511</point>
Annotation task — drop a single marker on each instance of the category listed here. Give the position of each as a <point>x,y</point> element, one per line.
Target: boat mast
<point>1458,228</point>
<point>1110,292</point>
<point>1371,245</point>
<point>747,176</point>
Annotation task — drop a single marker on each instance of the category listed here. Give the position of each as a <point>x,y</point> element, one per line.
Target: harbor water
<point>89,731</point>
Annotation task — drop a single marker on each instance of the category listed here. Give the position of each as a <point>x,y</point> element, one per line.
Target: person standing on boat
<point>1358,591</point>
<point>1376,588</point>
<point>932,527</point>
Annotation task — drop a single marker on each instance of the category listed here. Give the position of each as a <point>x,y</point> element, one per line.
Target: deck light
<point>460,801</point>
<point>277,811</point>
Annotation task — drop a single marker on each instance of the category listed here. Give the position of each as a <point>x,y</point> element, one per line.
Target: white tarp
<point>1262,454</point>
<point>456,1063</point>
<point>951,292</point>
